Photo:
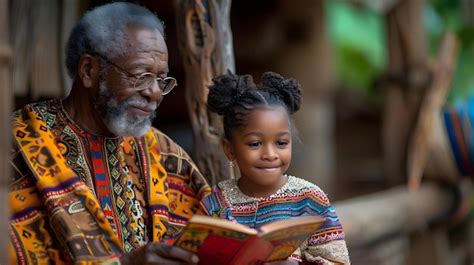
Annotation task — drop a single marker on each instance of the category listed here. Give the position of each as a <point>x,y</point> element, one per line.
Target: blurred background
<point>371,70</point>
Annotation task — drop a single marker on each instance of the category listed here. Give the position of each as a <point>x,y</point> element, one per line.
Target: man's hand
<point>159,253</point>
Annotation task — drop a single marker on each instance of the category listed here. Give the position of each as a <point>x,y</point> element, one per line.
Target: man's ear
<point>89,70</point>
<point>228,150</point>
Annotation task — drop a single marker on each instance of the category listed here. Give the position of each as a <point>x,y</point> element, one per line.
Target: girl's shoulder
<point>215,204</point>
<point>296,185</point>
<point>232,194</point>
<point>226,184</point>
<point>225,191</point>
<point>216,192</point>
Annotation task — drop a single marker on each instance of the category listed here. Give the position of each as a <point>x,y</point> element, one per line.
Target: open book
<point>218,241</point>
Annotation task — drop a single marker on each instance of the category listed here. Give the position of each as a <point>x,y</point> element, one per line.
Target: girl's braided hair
<point>235,96</point>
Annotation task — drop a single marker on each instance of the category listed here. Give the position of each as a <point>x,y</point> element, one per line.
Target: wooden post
<point>23,23</point>
<point>468,11</point>
<point>205,41</point>
<point>423,139</point>
<point>35,28</point>
<point>5,134</point>
<point>408,76</point>
<point>70,13</point>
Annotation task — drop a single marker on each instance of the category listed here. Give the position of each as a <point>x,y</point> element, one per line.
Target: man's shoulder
<point>39,108</point>
<point>161,135</point>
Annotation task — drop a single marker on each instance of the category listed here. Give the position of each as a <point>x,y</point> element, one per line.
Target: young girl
<point>258,139</point>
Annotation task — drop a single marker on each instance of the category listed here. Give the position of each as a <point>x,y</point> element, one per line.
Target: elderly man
<point>95,182</point>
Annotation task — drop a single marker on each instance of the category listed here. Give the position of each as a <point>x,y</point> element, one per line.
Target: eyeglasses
<point>146,80</point>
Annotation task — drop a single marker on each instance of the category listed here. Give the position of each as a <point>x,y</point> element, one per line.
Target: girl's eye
<point>254,144</point>
<point>282,143</point>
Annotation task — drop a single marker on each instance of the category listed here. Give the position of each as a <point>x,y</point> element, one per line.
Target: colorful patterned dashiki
<point>87,199</point>
<point>297,197</point>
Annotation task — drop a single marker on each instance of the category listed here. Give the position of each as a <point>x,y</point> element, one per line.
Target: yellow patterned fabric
<point>85,199</point>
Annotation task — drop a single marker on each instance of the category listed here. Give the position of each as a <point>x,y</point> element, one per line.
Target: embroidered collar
<point>76,126</point>
<point>234,195</point>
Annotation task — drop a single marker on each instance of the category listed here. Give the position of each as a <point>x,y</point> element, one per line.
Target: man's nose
<point>154,92</point>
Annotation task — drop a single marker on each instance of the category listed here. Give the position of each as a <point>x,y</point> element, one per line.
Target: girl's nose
<point>269,154</point>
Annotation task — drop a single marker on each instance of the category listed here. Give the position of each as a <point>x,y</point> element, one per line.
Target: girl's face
<point>262,148</point>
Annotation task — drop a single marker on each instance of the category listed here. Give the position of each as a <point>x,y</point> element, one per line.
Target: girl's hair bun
<point>288,90</point>
<point>226,90</point>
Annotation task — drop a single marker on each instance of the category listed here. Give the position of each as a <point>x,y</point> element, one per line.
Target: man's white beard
<point>119,120</point>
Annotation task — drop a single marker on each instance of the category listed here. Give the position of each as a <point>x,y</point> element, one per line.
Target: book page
<point>287,235</point>
<point>222,224</point>
<point>288,223</point>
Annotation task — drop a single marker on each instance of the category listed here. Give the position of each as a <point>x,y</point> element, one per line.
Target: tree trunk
<point>5,132</point>
<point>205,41</point>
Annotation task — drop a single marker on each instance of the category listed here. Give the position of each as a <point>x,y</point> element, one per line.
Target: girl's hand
<point>159,253</point>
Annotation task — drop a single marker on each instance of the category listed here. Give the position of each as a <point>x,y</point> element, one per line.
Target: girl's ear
<point>228,149</point>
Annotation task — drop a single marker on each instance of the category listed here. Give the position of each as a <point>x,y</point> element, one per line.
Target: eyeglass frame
<point>137,77</point>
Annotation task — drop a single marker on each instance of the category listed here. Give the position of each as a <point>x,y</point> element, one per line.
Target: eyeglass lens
<point>147,80</point>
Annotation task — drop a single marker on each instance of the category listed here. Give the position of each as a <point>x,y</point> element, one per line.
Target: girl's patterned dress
<point>297,197</point>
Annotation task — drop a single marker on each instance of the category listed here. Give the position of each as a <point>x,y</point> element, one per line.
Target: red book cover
<point>218,241</point>
<point>255,251</point>
<point>218,249</point>
<point>223,250</point>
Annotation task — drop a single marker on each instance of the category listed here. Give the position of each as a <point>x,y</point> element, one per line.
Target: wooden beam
<point>372,217</point>
<point>5,134</point>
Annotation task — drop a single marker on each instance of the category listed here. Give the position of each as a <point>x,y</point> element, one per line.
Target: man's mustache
<point>142,103</point>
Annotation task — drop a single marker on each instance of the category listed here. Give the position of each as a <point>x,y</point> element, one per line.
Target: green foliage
<point>446,15</point>
<point>360,50</point>
<point>358,40</point>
